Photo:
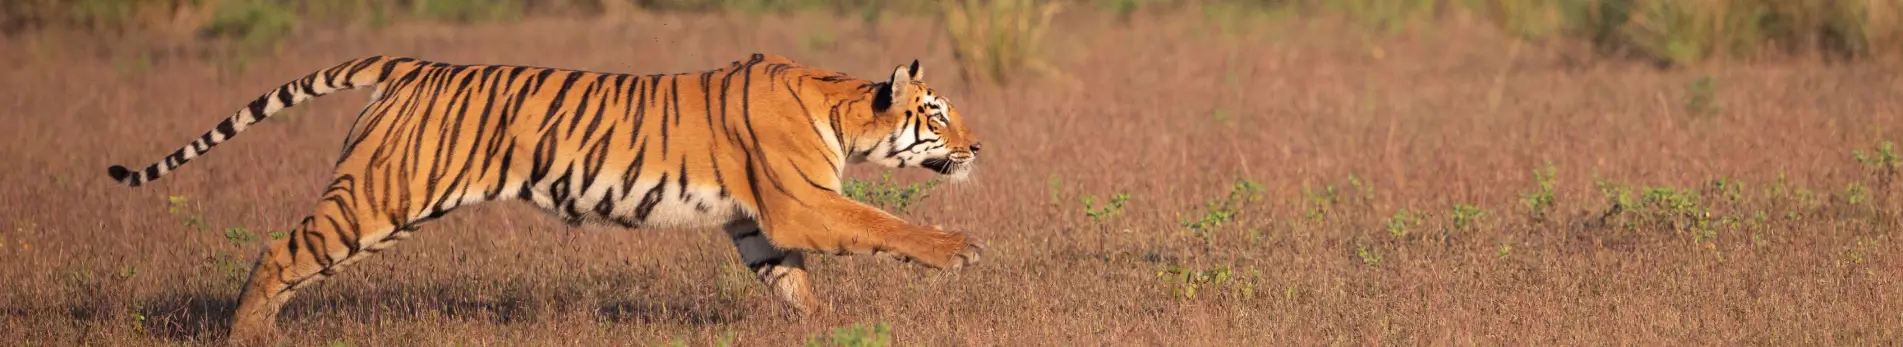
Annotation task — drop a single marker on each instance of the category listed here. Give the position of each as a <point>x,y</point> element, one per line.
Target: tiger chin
<point>756,149</point>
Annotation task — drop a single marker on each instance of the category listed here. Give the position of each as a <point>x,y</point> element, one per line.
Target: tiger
<point>756,149</point>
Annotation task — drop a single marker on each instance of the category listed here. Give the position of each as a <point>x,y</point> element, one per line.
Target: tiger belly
<point>653,204</point>
<point>697,208</point>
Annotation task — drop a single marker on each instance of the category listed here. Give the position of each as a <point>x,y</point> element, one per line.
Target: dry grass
<point>1278,188</point>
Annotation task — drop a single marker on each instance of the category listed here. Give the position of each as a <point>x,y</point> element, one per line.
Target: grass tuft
<point>995,41</point>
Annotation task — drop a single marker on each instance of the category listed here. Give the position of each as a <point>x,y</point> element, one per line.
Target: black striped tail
<point>362,72</point>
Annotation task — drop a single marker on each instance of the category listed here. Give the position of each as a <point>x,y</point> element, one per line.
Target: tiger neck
<point>852,119</point>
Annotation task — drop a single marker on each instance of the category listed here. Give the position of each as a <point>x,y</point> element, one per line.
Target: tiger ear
<point>901,77</point>
<point>917,73</point>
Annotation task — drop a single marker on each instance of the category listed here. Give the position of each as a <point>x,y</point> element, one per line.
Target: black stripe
<point>477,145</point>
<point>683,179</point>
<point>809,179</point>
<point>594,121</point>
<point>581,108</point>
<point>448,136</point>
<point>820,139</point>
<point>501,128</point>
<point>631,176</point>
<point>365,63</point>
<point>650,199</point>
<point>596,159</point>
<point>284,97</point>
<point>753,183</point>
<point>654,88</point>
<point>412,162</point>
<point>746,116</point>
<point>555,104</point>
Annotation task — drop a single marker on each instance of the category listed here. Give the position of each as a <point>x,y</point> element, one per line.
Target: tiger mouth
<point>941,165</point>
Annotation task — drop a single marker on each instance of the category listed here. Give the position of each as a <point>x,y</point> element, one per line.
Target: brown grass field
<point>1748,220</point>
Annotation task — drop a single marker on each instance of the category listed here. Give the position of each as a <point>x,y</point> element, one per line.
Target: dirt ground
<point>1166,109</point>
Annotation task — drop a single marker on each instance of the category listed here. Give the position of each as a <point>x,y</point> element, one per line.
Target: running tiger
<point>756,148</point>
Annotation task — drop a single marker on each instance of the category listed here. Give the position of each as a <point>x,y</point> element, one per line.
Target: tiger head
<point>925,130</point>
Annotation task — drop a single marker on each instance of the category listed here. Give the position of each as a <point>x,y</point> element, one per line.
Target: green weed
<point>1402,223</point>
<point>1678,208</point>
<point>238,236</point>
<point>180,207</point>
<point>231,263</point>
<point>1619,199</point>
<point>138,320</point>
<point>1360,186</point>
<point>858,335</point>
<point>1368,256</point>
<point>225,261</point>
<point>726,338</point>
<point>1855,194</point>
<point>1320,202</point>
<point>1056,186</point>
<point>1731,191</point>
<point>1466,216</point>
<point>1189,283</point>
<point>1882,162</point>
<point>1540,202</point>
<point>1223,210</point>
<point>1113,208</point>
<point>1684,211</point>
<point>885,193</point>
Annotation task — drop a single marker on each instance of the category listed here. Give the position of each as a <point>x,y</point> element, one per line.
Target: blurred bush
<point>1690,31</point>
<point>997,39</point>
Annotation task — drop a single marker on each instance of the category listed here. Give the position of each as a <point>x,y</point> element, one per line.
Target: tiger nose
<point>974,147</point>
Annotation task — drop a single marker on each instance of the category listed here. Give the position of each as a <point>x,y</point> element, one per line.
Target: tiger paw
<point>951,250</point>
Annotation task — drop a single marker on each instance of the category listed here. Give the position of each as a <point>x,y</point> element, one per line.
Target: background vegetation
<point>993,39</point>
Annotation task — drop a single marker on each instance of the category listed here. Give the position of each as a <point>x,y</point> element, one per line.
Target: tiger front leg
<point>784,272</point>
<point>837,225</point>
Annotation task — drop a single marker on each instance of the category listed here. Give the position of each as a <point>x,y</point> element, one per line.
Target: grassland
<point>1351,172</point>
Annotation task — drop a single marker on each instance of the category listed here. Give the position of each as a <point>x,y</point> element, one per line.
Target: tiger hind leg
<point>336,236</point>
<point>783,272</point>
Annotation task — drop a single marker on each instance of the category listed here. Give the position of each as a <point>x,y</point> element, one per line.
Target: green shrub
<point>251,22</point>
<point>885,193</point>
<point>467,11</point>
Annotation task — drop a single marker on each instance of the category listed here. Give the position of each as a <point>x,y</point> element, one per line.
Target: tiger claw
<point>973,251</point>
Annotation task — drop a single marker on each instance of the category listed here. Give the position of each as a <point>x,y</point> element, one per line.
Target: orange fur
<point>755,148</point>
